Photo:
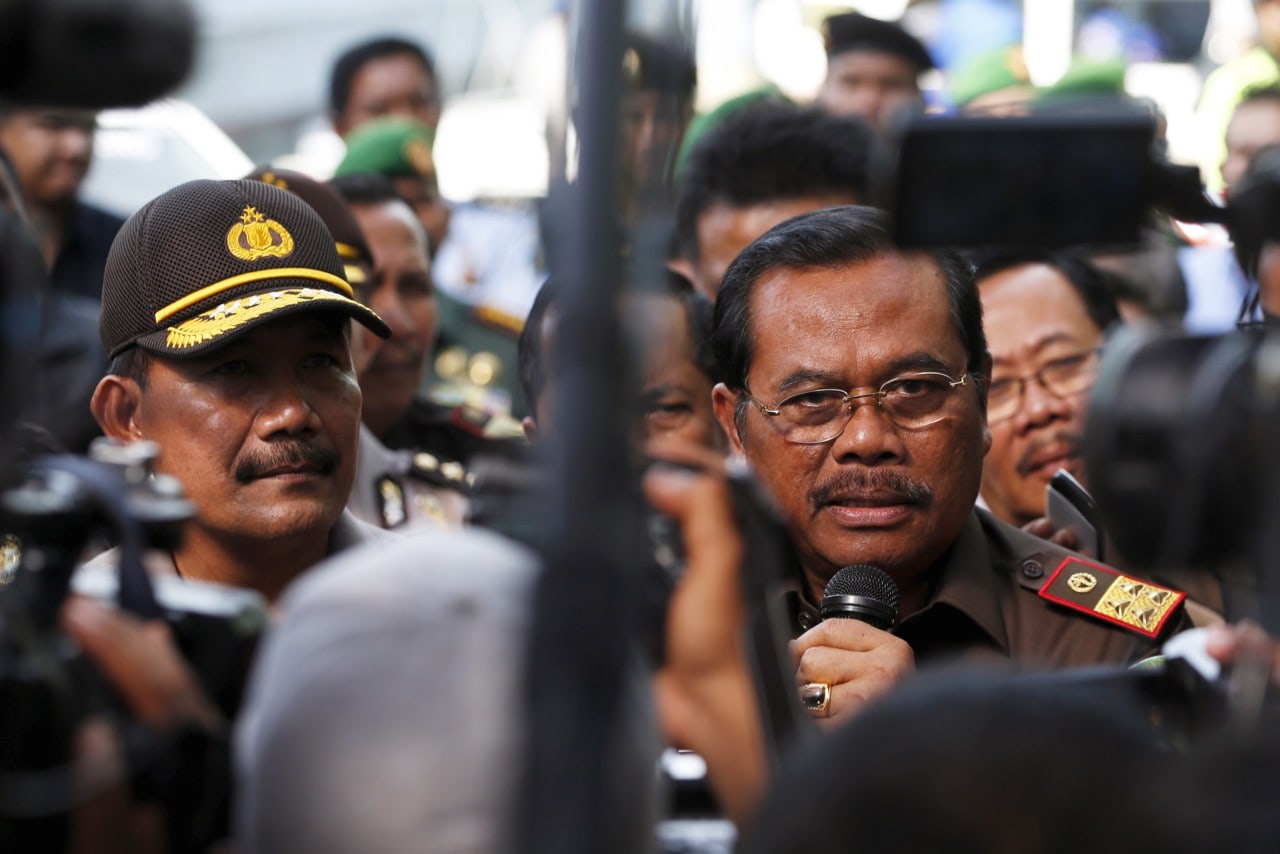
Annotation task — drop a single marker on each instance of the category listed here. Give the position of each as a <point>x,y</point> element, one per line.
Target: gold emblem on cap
<point>418,154</point>
<point>255,236</point>
<point>1082,582</point>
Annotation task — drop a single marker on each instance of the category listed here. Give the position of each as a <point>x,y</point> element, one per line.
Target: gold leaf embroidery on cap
<point>229,316</point>
<point>255,236</point>
<point>1137,604</point>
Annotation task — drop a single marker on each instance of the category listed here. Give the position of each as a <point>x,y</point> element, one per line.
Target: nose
<point>870,436</point>
<point>391,308</point>
<point>1041,406</point>
<point>286,410</point>
<point>75,143</point>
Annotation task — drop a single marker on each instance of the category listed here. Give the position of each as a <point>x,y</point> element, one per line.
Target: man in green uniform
<point>854,383</point>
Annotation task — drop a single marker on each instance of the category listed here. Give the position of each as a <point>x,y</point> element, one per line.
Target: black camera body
<point>47,688</point>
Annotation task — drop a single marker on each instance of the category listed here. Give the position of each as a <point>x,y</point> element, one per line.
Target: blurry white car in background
<point>142,152</point>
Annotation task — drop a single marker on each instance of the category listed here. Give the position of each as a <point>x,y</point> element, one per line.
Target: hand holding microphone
<point>850,657</point>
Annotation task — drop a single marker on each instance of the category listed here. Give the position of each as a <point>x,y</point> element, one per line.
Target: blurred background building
<point>262,72</point>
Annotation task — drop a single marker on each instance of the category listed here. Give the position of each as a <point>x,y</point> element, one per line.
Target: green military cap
<point>989,71</point>
<point>1086,79</point>
<point>393,146</point>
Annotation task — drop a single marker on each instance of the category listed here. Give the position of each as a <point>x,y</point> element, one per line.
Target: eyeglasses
<point>1061,378</point>
<point>912,401</point>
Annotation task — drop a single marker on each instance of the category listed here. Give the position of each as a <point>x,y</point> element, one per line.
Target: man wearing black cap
<point>873,69</point>
<point>224,315</point>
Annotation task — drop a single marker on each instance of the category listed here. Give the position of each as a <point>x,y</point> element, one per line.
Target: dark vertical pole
<point>581,644</point>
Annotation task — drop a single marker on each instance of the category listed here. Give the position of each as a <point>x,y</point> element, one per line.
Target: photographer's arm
<point>141,663</point>
<point>705,695</point>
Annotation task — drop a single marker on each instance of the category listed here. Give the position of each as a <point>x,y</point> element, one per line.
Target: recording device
<point>1049,181</point>
<point>48,688</point>
<point>861,592</point>
<point>1070,507</point>
<point>94,54</point>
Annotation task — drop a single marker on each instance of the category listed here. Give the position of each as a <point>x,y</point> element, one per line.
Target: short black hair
<point>346,66</point>
<point>652,65</point>
<point>829,238</point>
<point>132,362</point>
<point>772,150</point>
<point>1089,283</point>
<point>531,358</point>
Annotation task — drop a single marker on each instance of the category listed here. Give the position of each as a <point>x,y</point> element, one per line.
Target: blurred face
<point>261,433</point>
<point>676,394</point>
<point>1035,322</point>
<point>872,85</point>
<point>432,210</point>
<point>51,150</point>
<point>725,230</point>
<point>653,123</point>
<point>1253,126</point>
<point>402,294</point>
<point>390,86</point>
<point>876,493</point>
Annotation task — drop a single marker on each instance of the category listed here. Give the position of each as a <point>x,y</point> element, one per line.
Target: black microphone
<point>91,54</point>
<point>862,592</point>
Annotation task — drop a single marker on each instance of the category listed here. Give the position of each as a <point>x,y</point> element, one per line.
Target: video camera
<point>48,689</point>
<point>1176,445</point>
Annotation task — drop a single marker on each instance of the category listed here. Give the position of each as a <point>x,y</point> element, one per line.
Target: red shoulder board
<point>1101,592</point>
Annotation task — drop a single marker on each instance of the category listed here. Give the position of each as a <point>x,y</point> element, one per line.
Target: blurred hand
<point>858,661</point>
<point>141,663</point>
<point>705,695</point>
<point>1064,537</point>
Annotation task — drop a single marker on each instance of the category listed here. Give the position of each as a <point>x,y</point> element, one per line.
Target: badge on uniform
<point>1101,592</point>
<point>391,502</point>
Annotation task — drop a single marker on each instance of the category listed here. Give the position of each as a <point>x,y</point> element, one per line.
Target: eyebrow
<point>1040,345</point>
<point>920,360</point>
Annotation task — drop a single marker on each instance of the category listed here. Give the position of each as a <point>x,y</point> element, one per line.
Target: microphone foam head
<point>861,579</point>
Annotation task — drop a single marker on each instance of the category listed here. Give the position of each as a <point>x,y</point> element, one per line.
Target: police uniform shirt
<point>987,603</point>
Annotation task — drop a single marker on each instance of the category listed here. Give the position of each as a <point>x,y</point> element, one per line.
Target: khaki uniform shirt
<point>986,605</point>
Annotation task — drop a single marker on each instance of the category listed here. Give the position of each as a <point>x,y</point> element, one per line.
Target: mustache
<point>1060,437</point>
<point>287,454</point>
<point>894,483</point>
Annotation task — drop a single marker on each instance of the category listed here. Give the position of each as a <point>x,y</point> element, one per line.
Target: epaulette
<point>448,474</point>
<point>499,319</point>
<point>1099,591</point>
<point>470,419</point>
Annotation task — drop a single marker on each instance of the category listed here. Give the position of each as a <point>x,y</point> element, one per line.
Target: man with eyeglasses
<point>854,383</point>
<point>1044,316</point>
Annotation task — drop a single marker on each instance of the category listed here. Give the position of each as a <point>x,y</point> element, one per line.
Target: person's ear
<point>115,406</point>
<point>725,404</point>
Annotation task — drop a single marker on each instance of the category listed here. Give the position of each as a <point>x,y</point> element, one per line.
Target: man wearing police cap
<point>225,316</point>
<point>393,488</point>
<point>873,69</point>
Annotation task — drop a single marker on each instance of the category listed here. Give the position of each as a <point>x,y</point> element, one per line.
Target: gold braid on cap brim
<point>230,316</point>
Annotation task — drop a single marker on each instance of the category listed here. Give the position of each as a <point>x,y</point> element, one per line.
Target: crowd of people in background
<point>901,409</point>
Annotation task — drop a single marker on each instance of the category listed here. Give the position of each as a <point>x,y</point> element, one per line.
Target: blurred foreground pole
<point>581,654</point>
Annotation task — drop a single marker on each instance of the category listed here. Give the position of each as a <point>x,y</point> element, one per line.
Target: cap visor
<point>211,329</point>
